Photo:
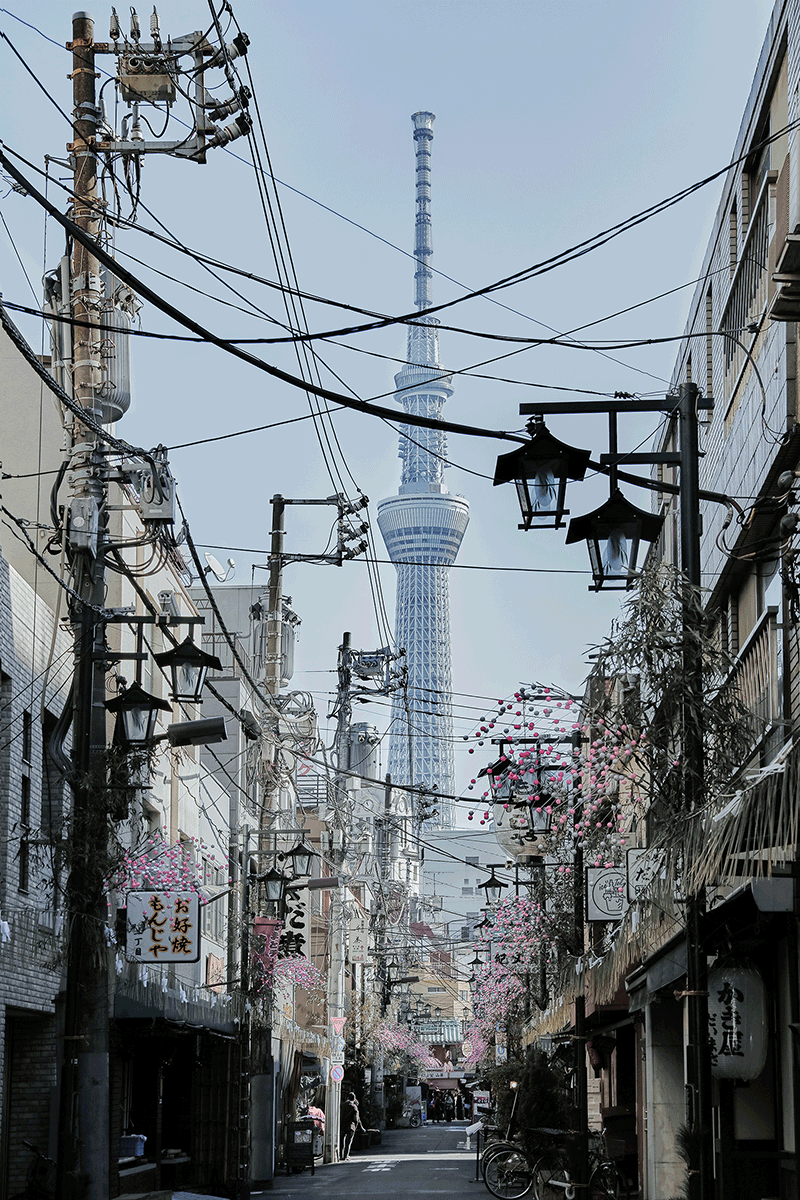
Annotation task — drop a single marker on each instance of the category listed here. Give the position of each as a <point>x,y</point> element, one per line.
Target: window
<point>709,345</point>
<point>467,891</point>
<point>437,989</point>
<point>213,914</point>
<point>27,729</point>
<point>733,237</point>
<point>52,784</point>
<point>24,832</point>
<point>473,861</point>
<point>463,995</point>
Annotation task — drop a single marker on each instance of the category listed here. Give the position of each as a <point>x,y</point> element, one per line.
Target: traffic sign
<point>337,1074</point>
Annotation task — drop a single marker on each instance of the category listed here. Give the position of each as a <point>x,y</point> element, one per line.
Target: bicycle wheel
<point>607,1183</point>
<point>551,1177</point>
<point>494,1148</point>
<point>508,1175</point>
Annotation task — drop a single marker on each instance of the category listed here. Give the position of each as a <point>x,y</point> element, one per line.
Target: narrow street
<point>409,1162</point>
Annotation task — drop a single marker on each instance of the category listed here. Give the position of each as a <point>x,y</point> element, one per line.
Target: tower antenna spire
<point>422,527</point>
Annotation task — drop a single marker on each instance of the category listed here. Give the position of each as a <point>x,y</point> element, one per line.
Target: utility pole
<point>698,1050</point>
<point>581,1083</point>
<point>336,913</point>
<point>699,1116</point>
<point>83,1133</point>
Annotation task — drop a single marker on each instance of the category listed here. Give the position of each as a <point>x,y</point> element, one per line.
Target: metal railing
<point>748,291</point>
<point>754,677</point>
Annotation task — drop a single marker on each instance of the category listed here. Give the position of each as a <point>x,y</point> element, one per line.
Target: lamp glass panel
<point>137,724</point>
<point>187,680</point>
<point>524,498</point>
<point>544,488</point>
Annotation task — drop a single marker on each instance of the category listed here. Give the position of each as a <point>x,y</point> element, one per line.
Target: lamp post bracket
<point>670,457</point>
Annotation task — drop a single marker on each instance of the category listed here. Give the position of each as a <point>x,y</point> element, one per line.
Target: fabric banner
<point>266,942</point>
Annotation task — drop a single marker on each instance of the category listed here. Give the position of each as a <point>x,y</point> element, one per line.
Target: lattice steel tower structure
<point>423,524</point>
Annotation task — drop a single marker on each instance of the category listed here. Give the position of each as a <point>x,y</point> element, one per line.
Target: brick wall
<point>30,1044</point>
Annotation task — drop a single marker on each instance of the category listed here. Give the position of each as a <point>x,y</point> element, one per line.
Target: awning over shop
<point>441,1033</point>
<point>741,907</point>
<point>661,970</point>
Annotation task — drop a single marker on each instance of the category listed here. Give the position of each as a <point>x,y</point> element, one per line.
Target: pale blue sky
<point>553,122</point>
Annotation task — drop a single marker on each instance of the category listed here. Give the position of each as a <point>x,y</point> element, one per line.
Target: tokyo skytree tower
<point>422,527</point>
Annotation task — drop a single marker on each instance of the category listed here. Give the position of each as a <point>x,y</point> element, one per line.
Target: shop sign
<point>737,1022</point>
<point>162,927</point>
<point>605,893</point>
<point>359,940</point>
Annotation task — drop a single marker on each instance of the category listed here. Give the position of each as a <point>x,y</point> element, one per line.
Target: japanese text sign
<point>163,927</point>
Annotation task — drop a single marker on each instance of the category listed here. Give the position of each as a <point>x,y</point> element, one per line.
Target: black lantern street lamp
<point>492,886</point>
<point>301,856</point>
<point>188,666</point>
<point>275,883</point>
<point>136,712</point>
<point>613,533</point>
<point>540,470</point>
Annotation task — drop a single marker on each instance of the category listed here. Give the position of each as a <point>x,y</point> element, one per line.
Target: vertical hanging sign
<point>294,939</point>
<point>359,940</point>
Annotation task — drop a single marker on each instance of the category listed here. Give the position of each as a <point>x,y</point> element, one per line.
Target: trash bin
<point>300,1144</point>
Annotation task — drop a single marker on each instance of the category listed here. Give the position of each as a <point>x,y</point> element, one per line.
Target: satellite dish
<point>216,568</point>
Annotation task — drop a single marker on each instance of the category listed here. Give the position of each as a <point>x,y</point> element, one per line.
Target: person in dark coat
<point>349,1122</point>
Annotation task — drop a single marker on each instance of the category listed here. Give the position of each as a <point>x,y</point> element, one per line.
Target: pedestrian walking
<point>350,1122</point>
<point>449,1107</point>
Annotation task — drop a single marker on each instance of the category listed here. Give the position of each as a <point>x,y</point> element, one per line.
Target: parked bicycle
<point>414,1114</point>
<point>554,1179</point>
<point>41,1177</point>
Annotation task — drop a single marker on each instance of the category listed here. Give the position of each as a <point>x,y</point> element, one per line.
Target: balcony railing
<point>747,297</point>
<point>754,677</point>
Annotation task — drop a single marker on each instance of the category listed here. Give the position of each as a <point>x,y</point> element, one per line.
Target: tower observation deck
<point>423,526</point>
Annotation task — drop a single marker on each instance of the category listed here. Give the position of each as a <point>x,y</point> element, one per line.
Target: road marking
<point>382,1164</point>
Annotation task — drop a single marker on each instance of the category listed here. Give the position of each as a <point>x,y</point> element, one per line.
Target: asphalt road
<point>409,1163</point>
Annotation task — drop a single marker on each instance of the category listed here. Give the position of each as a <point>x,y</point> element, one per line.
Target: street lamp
<point>136,712</point>
<point>188,666</point>
<point>613,533</point>
<point>275,883</point>
<point>540,470</point>
<point>301,856</point>
<point>492,886</point>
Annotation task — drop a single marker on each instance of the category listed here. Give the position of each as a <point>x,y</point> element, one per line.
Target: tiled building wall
<point>30,666</point>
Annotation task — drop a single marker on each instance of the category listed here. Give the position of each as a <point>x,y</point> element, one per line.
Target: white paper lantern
<point>737,1022</point>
